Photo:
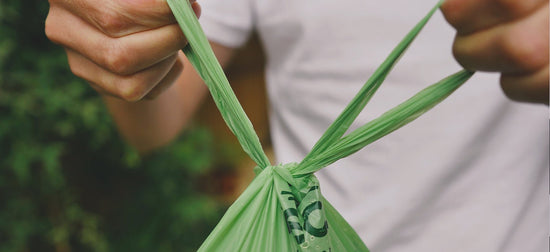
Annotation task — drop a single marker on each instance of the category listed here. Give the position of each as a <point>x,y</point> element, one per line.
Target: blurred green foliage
<point>67,181</point>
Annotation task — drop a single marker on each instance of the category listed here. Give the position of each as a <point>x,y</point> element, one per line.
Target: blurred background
<point>68,182</point>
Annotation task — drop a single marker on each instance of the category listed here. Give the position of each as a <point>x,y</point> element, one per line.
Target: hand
<point>125,48</point>
<point>506,36</point>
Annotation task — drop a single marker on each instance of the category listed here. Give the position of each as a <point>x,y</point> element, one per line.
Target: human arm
<point>128,50</point>
<point>505,36</point>
<point>153,122</point>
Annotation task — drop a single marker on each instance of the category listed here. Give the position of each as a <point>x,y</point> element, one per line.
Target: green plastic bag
<point>283,209</point>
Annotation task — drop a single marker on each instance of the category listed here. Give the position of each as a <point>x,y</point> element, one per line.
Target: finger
<point>513,48</point>
<point>529,87</point>
<point>468,16</point>
<point>168,80</point>
<point>129,87</point>
<point>124,55</point>
<point>121,17</point>
<point>196,8</point>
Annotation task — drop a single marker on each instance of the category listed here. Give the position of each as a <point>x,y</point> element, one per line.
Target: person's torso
<point>470,175</point>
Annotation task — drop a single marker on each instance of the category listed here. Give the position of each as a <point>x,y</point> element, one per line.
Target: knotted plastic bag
<point>283,209</point>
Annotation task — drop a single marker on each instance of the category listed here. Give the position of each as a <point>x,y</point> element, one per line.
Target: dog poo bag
<point>283,209</point>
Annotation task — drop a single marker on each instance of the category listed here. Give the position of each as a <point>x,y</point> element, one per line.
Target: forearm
<point>149,124</point>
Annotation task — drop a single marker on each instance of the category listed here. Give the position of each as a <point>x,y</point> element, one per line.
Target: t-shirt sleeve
<point>227,22</point>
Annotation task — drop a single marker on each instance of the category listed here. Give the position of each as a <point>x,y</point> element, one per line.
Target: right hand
<point>124,48</point>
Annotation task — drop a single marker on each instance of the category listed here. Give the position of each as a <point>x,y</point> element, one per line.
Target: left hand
<point>505,36</point>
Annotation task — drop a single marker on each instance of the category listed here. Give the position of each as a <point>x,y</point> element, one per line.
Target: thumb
<point>117,18</point>
<point>150,13</point>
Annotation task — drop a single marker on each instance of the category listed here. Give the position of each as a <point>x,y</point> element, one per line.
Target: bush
<point>67,182</point>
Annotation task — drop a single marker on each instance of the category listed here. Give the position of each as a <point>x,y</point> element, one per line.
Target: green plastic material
<point>283,209</point>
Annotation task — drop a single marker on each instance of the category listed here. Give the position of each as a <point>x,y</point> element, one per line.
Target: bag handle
<point>339,127</point>
<point>201,56</point>
<point>332,146</point>
<point>385,124</point>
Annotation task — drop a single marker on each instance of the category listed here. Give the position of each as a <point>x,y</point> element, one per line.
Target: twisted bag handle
<point>201,56</point>
<point>332,145</point>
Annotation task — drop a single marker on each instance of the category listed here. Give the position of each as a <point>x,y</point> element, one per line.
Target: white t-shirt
<point>470,175</point>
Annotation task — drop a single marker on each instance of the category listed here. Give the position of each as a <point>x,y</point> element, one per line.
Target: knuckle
<point>514,96</point>
<point>75,68</point>
<point>51,30</point>
<point>458,51</point>
<point>531,87</point>
<point>77,71</point>
<point>461,53</point>
<point>510,90</point>
<point>111,23</point>
<point>526,53</point>
<point>131,91</point>
<point>116,58</point>
<point>451,9</point>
